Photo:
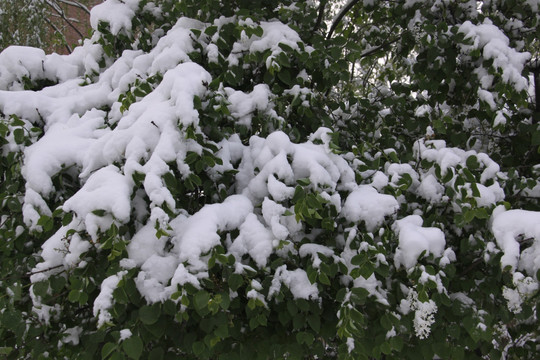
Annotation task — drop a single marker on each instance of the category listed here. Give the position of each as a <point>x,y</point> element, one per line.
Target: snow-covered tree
<point>274,179</point>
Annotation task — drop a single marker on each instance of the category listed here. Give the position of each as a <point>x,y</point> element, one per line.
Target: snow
<point>415,239</point>
<point>198,233</point>
<point>57,251</point>
<point>296,281</point>
<point>104,300</point>
<point>278,190</point>
<point>507,226</point>
<point>118,14</point>
<point>272,212</point>
<point>254,239</point>
<point>448,158</point>
<point>19,61</point>
<point>77,247</point>
<point>72,335</point>
<point>63,145</point>
<point>106,189</point>
<point>368,205</point>
<point>243,106</point>
<point>534,4</point>
<point>125,334</point>
<point>525,287</point>
<point>424,313</point>
<point>430,189</point>
<point>495,45</point>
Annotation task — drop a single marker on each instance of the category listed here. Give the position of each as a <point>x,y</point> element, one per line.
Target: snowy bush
<point>248,179</point>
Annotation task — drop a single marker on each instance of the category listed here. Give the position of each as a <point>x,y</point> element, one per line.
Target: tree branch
<point>373,50</point>
<point>340,16</point>
<point>534,67</point>
<point>60,12</point>
<point>322,6</point>
<point>55,28</point>
<point>44,270</point>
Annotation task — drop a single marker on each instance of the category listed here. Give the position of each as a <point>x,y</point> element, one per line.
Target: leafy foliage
<point>239,179</point>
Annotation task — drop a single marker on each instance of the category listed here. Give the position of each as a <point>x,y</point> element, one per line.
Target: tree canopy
<point>274,179</point>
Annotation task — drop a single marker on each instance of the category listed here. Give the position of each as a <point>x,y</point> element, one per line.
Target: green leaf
<point>4,350</point>
<point>195,179</point>
<point>359,259</point>
<point>41,288</point>
<point>235,281</point>
<point>156,354</point>
<point>386,323</point>
<point>99,212</point>
<point>67,218</point>
<point>14,205</point>
<point>201,299</point>
<point>303,182</point>
<point>314,322</point>
<point>285,76</point>
<point>386,348</point>
<point>258,31</point>
<point>323,278</point>
<point>198,347</point>
<point>18,134</point>
<point>357,316</point>
<point>222,331</point>
<point>535,140</point>
<point>107,350</point>
<point>133,347</point>
<point>11,319</point>
<point>149,314</point>
<point>74,295</point>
